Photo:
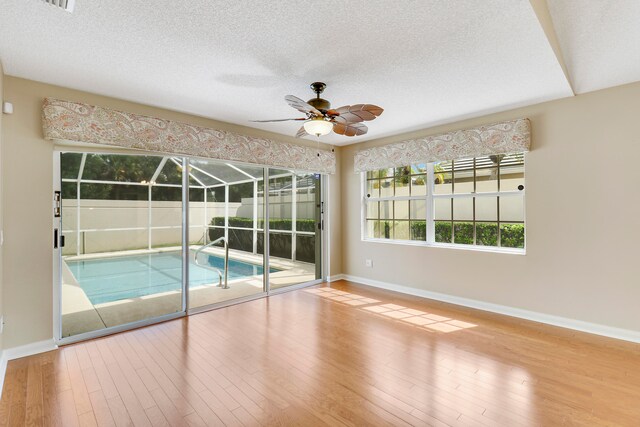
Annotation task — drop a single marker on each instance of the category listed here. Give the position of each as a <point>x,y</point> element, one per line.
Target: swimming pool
<point>130,276</point>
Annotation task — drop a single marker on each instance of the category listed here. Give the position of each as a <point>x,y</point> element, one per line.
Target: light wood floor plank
<point>173,417</point>
<point>128,397</point>
<point>178,400</point>
<point>101,409</point>
<point>17,411</point>
<point>87,420</point>
<point>34,415</point>
<point>194,420</point>
<point>50,404</point>
<point>129,373</point>
<point>68,411</point>
<point>156,417</point>
<point>78,386</point>
<point>119,412</point>
<point>178,381</point>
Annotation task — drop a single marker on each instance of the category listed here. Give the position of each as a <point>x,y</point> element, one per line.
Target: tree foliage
<point>122,169</point>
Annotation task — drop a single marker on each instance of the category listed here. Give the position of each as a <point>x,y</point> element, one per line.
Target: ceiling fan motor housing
<point>317,102</point>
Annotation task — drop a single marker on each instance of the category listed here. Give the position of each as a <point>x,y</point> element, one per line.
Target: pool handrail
<point>226,260</point>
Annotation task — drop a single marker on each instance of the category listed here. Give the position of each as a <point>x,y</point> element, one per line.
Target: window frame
<point>431,198</point>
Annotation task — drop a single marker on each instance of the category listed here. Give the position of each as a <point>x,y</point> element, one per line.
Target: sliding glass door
<point>121,261</point>
<point>224,210</point>
<point>294,228</point>
<point>150,237</point>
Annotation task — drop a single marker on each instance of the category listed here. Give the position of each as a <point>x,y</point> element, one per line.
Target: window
<point>396,203</point>
<point>477,201</point>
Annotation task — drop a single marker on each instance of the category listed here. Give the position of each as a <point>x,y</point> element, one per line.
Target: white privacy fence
<point>94,226</point>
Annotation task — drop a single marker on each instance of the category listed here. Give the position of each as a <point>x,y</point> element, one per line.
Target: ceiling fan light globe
<point>318,127</point>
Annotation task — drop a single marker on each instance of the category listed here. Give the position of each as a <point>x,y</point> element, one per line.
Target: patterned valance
<point>73,121</point>
<point>499,138</point>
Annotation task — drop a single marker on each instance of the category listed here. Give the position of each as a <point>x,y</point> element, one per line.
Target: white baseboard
<point>22,351</point>
<point>335,278</point>
<point>29,349</point>
<point>563,322</point>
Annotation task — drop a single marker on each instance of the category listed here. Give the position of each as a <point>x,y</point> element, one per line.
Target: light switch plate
<point>7,108</point>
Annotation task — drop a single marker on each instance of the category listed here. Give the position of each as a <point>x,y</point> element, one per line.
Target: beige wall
<point>28,183</point>
<point>581,260</point>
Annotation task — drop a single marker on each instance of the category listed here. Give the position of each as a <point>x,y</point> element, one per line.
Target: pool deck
<point>79,315</point>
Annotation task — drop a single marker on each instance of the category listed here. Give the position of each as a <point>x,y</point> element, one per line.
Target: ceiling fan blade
<point>350,129</point>
<point>277,120</point>
<point>301,132</point>
<point>301,105</point>
<point>358,113</point>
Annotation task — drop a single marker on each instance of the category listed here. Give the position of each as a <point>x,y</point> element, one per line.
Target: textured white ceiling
<point>600,41</point>
<point>424,62</point>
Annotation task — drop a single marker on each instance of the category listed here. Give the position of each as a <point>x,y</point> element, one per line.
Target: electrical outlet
<point>368,263</point>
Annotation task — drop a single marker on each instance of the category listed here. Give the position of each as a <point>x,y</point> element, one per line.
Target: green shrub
<point>512,235</point>
<point>443,231</point>
<point>418,230</point>
<point>463,233</point>
<point>487,234</point>
<point>279,243</point>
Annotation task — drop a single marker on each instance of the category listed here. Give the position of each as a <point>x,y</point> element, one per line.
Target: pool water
<point>131,276</point>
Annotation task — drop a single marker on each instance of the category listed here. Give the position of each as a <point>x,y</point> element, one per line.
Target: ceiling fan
<point>321,118</point>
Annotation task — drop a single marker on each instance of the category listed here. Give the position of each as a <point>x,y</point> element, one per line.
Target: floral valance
<point>74,121</point>
<point>498,138</point>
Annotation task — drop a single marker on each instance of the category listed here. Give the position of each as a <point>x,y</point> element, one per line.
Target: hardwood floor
<point>344,355</point>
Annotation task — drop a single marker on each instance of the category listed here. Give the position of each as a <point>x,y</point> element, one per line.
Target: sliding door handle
<point>58,239</point>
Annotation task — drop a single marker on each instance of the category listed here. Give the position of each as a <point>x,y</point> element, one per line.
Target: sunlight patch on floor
<point>428,321</point>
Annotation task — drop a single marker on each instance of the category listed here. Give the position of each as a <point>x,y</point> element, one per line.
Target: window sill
<point>512,251</point>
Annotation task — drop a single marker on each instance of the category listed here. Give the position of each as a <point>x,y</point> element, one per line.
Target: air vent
<point>62,4</point>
